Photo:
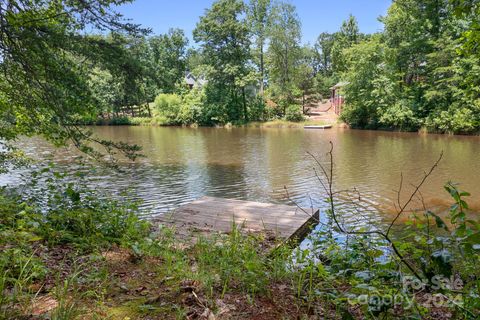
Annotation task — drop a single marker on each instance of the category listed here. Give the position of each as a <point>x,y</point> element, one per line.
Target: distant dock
<point>209,215</point>
<point>327,126</point>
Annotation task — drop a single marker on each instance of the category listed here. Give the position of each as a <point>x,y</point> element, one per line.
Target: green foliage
<point>323,54</point>
<point>424,74</point>
<point>470,11</point>
<point>236,263</point>
<point>258,15</point>
<point>323,84</point>
<point>168,106</point>
<point>451,93</point>
<point>47,59</point>
<point>415,74</point>
<point>331,271</point>
<point>56,213</point>
<point>442,248</point>
<point>305,76</point>
<point>167,56</point>
<point>348,35</point>
<point>364,65</point>
<point>284,51</point>
<point>223,263</point>
<point>457,119</point>
<point>60,211</point>
<point>142,68</point>
<point>120,121</point>
<point>225,40</point>
<point>106,90</point>
<point>18,270</point>
<point>191,111</point>
<point>294,113</point>
<point>173,109</point>
<point>258,110</point>
<point>140,121</point>
<point>398,116</point>
<point>448,246</point>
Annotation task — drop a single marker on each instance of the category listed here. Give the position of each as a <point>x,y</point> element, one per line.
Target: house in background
<point>337,98</point>
<point>194,82</point>
<point>252,90</point>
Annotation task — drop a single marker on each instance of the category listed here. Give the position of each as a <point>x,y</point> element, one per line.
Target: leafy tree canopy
<point>45,57</point>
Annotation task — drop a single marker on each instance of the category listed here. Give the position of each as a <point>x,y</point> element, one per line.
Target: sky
<point>316,15</point>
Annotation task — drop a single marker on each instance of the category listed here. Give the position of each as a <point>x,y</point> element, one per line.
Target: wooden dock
<point>327,126</point>
<point>208,215</point>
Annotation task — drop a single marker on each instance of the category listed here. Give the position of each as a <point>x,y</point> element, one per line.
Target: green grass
<point>113,265</point>
<point>162,121</point>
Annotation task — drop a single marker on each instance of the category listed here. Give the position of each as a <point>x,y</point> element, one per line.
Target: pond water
<point>182,164</point>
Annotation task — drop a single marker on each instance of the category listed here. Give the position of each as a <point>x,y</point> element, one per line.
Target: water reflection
<point>183,164</point>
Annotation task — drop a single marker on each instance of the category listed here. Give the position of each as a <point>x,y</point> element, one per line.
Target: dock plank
<point>328,126</point>
<point>210,214</point>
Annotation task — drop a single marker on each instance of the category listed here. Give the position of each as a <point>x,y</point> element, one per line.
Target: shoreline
<point>272,124</point>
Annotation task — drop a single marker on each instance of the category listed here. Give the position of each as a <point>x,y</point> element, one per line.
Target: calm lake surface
<point>182,164</point>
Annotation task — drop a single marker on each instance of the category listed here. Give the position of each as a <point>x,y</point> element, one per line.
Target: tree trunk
<point>237,106</point>
<point>303,102</point>
<point>287,80</point>
<point>262,71</point>
<point>245,114</point>
<point>148,109</point>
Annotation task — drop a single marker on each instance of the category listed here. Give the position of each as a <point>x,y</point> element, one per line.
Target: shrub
<point>60,211</point>
<point>168,106</point>
<point>120,121</point>
<point>399,115</point>
<point>258,111</point>
<point>192,107</point>
<point>140,121</point>
<point>457,119</point>
<point>88,228</point>
<point>172,109</point>
<point>159,121</point>
<point>294,113</point>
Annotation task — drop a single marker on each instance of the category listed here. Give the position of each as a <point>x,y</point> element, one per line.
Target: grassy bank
<point>136,121</point>
<point>286,124</point>
<point>65,254</point>
<point>278,123</point>
<point>87,263</point>
<point>128,121</point>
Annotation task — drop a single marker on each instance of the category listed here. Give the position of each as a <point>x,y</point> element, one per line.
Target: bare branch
<point>400,208</point>
<point>415,191</point>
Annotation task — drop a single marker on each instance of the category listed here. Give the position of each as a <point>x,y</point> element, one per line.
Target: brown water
<point>182,164</point>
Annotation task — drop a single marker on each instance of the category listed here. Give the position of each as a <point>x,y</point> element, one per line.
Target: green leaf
<point>72,194</point>
<point>438,221</point>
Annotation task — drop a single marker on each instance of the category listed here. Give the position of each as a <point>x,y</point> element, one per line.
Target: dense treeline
<point>248,64</point>
<point>422,71</point>
<point>68,252</point>
<point>246,55</point>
